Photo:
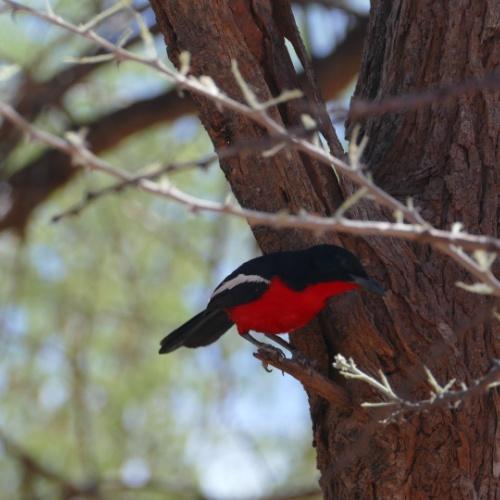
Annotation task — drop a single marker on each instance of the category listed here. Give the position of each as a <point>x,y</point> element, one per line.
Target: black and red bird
<point>275,293</point>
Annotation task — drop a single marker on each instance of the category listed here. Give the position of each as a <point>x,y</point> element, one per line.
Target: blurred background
<point>87,407</point>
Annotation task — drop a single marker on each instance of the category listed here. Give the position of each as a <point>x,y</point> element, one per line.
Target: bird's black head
<point>333,263</point>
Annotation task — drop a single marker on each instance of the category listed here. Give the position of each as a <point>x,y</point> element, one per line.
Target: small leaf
<point>89,59</point>
<point>248,93</point>
<point>399,216</point>
<point>484,259</point>
<point>496,314</point>
<point>146,36</point>
<point>184,62</point>
<point>479,288</point>
<point>207,82</point>
<point>308,121</point>
<point>274,150</point>
<point>286,95</point>
<point>356,150</point>
<point>351,201</point>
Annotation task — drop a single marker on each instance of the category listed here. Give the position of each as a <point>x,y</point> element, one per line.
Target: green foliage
<point>84,303</point>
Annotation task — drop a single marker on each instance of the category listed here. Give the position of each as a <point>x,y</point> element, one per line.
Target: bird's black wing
<point>246,284</point>
<point>251,280</point>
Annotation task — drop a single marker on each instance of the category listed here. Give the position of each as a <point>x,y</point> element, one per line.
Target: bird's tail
<point>203,329</point>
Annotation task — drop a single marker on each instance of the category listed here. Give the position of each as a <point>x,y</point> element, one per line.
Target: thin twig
<point>153,173</point>
<point>442,240</point>
<point>361,108</point>
<point>418,229</point>
<point>399,406</point>
<point>406,102</point>
<point>205,87</point>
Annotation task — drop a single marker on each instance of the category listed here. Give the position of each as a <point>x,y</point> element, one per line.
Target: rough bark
<point>445,156</point>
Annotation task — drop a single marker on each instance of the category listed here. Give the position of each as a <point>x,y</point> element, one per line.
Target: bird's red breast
<point>281,309</point>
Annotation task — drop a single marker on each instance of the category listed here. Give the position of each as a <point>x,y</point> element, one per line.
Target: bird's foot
<point>271,352</point>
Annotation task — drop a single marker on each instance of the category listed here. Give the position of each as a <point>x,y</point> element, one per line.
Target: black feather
<point>240,294</point>
<point>203,329</point>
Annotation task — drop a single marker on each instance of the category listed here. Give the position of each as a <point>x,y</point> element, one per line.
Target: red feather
<point>281,309</point>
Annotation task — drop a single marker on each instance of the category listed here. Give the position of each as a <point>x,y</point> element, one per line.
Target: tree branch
<point>34,183</point>
<point>399,406</point>
<point>308,377</point>
<point>79,154</point>
<point>205,87</point>
<point>407,102</point>
<point>34,96</point>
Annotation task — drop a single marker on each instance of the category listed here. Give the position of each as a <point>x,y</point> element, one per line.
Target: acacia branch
<point>205,87</point>
<point>154,173</point>
<point>35,182</point>
<point>442,240</point>
<point>31,185</point>
<point>308,376</point>
<point>34,96</point>
<point>399,406</point>
<point>361,108</point>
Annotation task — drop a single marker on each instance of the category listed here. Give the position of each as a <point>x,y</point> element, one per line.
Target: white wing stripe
<point>239,280</point>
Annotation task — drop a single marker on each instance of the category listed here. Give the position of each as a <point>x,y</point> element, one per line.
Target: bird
<point>273,294</point>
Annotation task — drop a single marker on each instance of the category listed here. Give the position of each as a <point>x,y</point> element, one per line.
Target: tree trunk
<point>444,156</point>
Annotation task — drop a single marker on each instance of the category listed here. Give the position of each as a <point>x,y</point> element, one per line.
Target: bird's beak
<point>369,284</point>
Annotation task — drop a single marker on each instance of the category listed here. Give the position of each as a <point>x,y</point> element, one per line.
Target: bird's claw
<point>274,352</point>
